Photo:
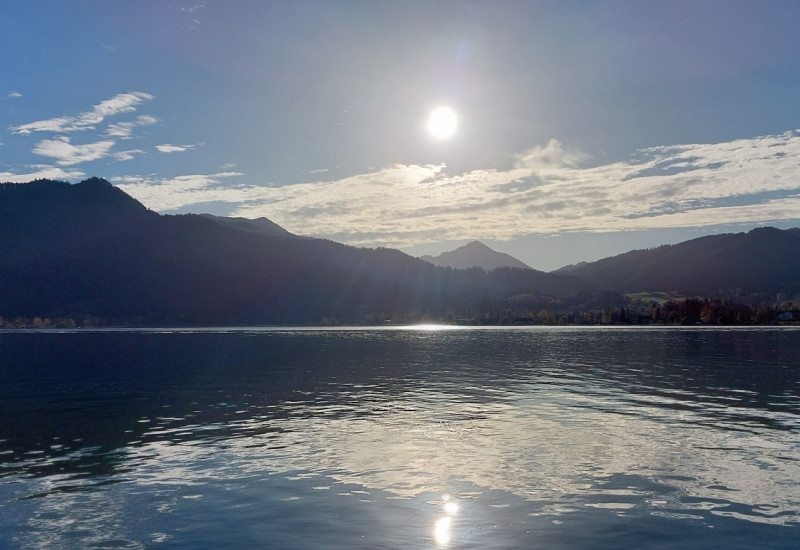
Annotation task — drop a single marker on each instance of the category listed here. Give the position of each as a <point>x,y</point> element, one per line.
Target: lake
<point>419,437</point>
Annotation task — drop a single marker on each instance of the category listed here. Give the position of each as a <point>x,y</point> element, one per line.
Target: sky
<point>583,128</point>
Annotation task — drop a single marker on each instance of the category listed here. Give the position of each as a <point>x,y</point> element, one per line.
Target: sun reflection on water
<point>441,529</point>
<point>433,327</point>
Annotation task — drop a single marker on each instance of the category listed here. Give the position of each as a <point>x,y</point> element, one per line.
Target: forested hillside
<point>764,261</point>
<point>89,251</point>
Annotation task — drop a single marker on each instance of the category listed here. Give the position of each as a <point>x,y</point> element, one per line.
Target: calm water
<point>369,438</point>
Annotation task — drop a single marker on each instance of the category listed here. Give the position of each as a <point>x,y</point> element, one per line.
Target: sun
<point>442,122</point>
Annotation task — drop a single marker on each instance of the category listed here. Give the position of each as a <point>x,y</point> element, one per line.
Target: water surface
<point>401,438</point>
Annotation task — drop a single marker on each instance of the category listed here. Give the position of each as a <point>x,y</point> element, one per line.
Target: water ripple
<point>681,426</point>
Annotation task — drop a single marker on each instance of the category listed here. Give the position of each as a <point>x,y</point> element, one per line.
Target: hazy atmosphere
<point>565,131</point>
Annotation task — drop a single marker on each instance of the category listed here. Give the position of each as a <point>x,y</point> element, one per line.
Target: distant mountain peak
<point>474,254</point>
<point>475,245</point>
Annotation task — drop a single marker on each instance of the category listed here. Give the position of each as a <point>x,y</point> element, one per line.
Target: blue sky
<point>584,128</point>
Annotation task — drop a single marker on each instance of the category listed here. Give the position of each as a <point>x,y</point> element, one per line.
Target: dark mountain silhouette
<point>763,261</point>
<point>474,254</point>
<point>90,250</point>
<point>262,226</point>
<point>569,268</point>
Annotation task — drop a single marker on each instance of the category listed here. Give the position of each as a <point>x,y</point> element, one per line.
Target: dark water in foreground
<point>369,438</point>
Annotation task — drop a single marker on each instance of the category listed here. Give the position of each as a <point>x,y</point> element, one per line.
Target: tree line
<point>687,311</point>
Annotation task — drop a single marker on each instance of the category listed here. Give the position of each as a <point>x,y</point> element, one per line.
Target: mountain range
<point>474,254</point>
<point>90,252</point>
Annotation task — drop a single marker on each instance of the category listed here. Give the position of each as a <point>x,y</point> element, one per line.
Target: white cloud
<point>127,155</point>
<point>67,154</point>
<point>120,103</point>
<point>124,130</point>
<point>167,148</point>
<point>551,156</point>
<point>174,193</point>
<point>549,190</point>
<point>197,6</point>
<point>41,171</point>
<point>14,94</point>
<point>192,13</point>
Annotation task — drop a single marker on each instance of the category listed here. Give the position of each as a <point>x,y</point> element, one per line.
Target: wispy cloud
<point>14,94</point>
<point>41,172</point>
<point>174,193</point>
<point>549,189</point>
<point>67,154</point>
<point>127,155</point>
<point>120,103</point>
<point>192,12</point>
<point>124,130</point>
<point>168,148</point>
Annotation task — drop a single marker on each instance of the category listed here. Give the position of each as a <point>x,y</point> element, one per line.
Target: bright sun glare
<point>442,122</point>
